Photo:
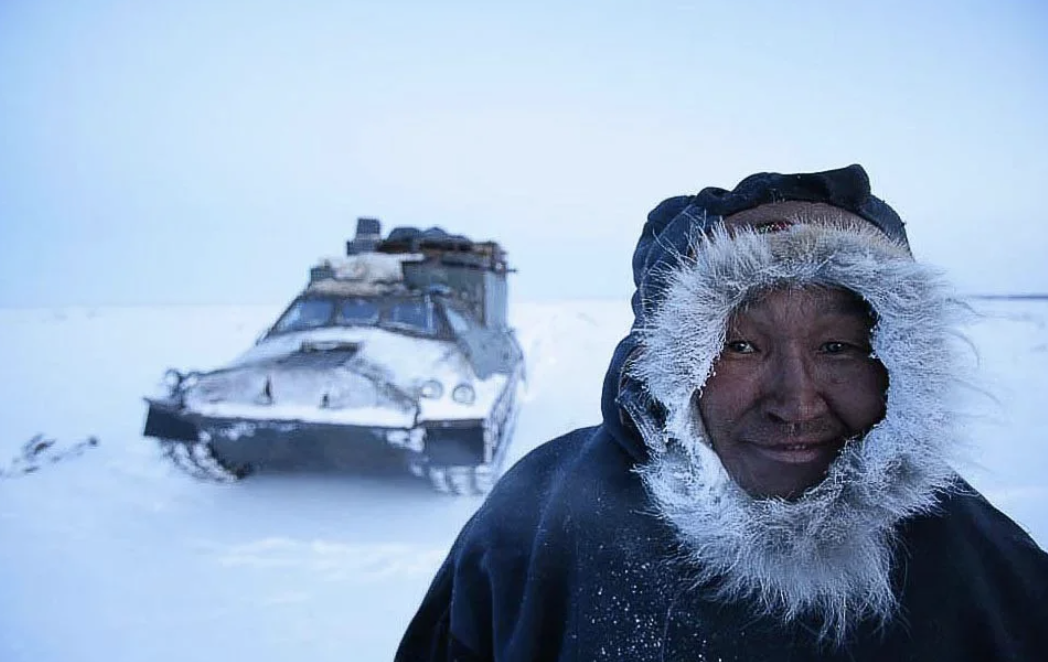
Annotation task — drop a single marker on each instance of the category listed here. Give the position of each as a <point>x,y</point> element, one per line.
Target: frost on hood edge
<point>828,554</point>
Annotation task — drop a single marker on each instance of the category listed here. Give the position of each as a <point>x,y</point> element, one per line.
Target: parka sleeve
<point>430,636</point>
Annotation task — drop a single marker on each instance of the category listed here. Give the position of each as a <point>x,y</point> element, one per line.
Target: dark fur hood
<point>828,553</point>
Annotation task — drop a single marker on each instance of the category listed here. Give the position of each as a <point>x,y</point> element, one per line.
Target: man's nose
<point>793,393</point>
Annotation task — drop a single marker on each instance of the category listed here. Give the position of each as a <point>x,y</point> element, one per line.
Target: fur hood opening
<point>828,554</point>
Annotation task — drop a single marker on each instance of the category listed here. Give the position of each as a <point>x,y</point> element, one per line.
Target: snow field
<point>114,555</point>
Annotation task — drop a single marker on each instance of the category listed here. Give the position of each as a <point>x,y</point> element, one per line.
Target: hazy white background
<point>206,152</point>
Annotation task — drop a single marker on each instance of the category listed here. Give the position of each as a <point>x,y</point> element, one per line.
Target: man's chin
<point>815,551</point>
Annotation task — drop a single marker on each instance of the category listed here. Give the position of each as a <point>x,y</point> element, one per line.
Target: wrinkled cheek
<point>876,399</point>
<point>712,422</point>
<point>723,400</point>
<point>859,396</point>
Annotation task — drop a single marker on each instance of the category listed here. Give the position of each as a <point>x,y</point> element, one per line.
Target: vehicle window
<point>306,314</point>
<point>414,315</point>
<point>357,311</point>
<point>459,322</point>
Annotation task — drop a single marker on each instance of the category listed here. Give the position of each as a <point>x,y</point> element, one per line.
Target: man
<point>771,479</point>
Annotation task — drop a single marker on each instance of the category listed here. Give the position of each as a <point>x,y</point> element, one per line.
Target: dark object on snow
<point>399,352</point>
<point>41,450</point>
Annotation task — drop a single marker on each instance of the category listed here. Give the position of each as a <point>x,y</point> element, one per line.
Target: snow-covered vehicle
<point>400,351</point>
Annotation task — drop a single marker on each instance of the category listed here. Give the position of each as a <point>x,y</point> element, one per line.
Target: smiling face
<point>794,381</point>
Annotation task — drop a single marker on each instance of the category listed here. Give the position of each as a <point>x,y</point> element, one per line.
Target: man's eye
<point>837,347</point>
<point>740,347</point>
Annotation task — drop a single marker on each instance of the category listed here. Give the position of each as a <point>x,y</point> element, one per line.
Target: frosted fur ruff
<point>828,554</point>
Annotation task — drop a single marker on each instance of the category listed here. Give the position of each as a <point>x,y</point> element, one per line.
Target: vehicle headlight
<point>431,389</point>
<point>464,394</point>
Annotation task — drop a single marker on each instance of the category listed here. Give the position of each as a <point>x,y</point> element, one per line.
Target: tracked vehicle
<point>399,352</point>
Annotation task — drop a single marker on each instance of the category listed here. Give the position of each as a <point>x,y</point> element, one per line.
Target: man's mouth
<point>801,452</point>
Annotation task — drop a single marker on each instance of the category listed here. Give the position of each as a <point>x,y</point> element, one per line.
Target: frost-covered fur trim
<point>828,554</point>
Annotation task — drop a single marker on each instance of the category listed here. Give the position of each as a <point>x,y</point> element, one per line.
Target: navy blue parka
<point>567,561</point>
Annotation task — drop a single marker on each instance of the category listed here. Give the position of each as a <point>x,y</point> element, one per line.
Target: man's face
<point>795,380</point>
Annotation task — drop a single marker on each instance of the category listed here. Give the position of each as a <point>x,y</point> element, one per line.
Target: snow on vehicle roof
<point>363,274</point>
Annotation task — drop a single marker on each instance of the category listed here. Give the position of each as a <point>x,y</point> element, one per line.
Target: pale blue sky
<point>199,152</point>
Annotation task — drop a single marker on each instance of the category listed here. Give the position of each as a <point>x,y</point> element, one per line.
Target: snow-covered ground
<point>112,555</point>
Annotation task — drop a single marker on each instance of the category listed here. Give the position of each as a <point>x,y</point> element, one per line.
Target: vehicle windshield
<point>357,311</point>
<point>412,315</point>
<point>305,314</point>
